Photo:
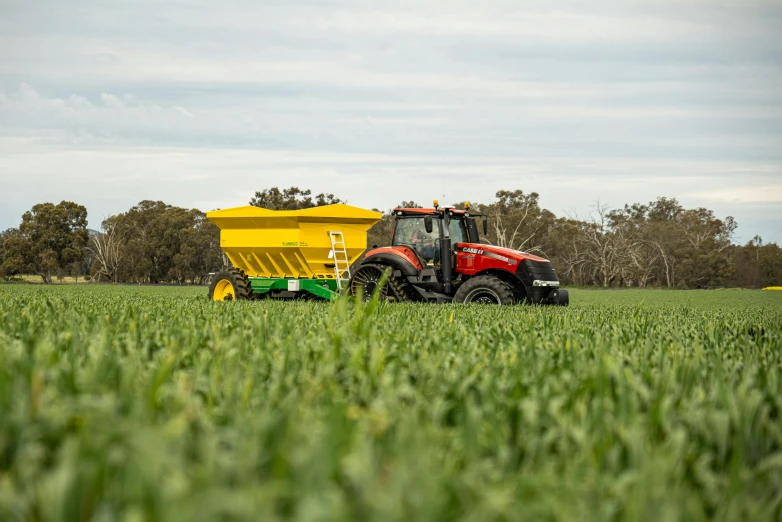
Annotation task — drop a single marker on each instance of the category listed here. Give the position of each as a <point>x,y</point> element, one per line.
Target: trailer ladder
<point>340,254</point>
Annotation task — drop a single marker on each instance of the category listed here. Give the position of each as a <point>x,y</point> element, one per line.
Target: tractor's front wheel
<point>229,285</point>
<point>484,290</point>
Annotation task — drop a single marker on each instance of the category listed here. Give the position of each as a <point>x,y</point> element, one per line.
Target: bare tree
<point>606,251</point>
<point>106,247</point>
<point>517,221</point>
<point>513,239</point>
<point>645,258</point>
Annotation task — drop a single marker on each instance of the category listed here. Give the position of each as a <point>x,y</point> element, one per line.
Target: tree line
<point>152,242</point>
<point>655,244</point>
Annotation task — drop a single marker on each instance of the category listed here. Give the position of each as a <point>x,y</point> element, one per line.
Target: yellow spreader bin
<point>289,251</point>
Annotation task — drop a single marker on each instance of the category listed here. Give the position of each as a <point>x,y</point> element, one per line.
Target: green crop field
<point>154,404</point>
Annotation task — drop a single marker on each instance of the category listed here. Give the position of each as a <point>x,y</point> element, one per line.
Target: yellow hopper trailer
<point>284,253</point>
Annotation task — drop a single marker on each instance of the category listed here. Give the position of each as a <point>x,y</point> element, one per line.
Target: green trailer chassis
<point>322,288</point>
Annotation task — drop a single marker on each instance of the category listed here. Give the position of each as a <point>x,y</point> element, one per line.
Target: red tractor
<point>436,256</point>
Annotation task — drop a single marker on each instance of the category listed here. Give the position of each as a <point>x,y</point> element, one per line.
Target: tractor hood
<point>500,253</point>
<point>535,272</point>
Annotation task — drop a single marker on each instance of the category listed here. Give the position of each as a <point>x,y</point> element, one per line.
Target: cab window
<point>412,232</point>
<point>457,231</point>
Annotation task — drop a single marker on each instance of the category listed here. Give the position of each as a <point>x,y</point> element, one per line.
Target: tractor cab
<point>424,233</point>
<point>423,230</point>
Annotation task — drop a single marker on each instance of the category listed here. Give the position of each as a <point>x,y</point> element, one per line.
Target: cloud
<point>744,194</point>
<point>27,112</point>
<point>109,100</point>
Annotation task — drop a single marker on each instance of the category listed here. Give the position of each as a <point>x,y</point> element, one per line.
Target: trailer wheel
<point>484,290</point>
<point>230,285</point>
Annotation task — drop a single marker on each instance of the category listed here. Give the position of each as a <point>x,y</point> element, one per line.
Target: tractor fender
<point>395,259</point>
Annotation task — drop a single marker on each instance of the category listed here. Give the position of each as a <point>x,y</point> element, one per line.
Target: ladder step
<point>340,257</point>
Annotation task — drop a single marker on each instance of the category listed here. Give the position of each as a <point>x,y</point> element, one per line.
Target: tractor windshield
<point>412,232</point>
<point>457,231</point>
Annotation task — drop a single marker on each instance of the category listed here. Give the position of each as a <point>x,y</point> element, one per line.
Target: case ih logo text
<point>470,250</point>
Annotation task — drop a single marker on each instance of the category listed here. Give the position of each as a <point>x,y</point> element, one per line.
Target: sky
<point>200,104</point>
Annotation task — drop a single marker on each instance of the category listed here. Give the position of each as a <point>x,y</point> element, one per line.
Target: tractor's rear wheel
<point>230,285</point>
<point>366,281</point>
<point>484,290</point>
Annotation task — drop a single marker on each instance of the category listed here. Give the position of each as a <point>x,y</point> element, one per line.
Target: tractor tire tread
<point>239,281</point>
<point>398,287</point>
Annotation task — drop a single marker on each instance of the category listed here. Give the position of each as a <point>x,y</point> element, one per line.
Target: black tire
<point>230,284</point>
<point>559,297</point>
<point>366,280</point>
<point>486,290</point>
<point>519,292</point>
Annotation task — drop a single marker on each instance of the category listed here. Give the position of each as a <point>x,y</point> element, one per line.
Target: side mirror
<point>428,224</point>
<point>485,226</point>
